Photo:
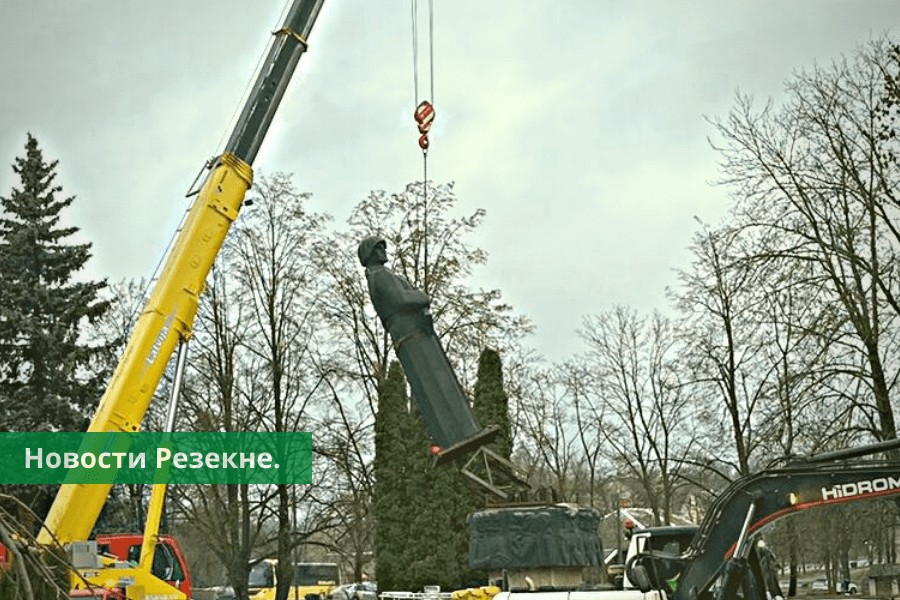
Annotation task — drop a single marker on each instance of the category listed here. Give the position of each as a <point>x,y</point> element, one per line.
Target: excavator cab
<point>661,569</point>
<point>653,569</point>
<point>655,556</point>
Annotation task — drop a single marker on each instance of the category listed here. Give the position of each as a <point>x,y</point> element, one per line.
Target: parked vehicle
<point>848,587</point>
<point>311,581</point>
<point>845,587</point>
<point>354,591</point>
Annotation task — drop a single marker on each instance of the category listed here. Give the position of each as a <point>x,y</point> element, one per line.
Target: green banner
<point>151,457</point>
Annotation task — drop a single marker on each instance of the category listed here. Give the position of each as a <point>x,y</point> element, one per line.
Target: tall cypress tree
<point>420,533</point>
<point>420,509</point>
<point>394,481</point>
<point>438,538</point>
<point>491,404</point>
<point>47,380</point>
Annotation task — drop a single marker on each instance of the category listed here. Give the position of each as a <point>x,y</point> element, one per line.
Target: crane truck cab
<point>108,569</point>
<point>169,563</point>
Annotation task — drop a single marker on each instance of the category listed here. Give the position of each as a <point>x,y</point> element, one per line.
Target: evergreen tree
<point>438,542</point>
<point>420,510</point>
<point>491,404</point>
<point>439,537</point>
<point>395,481</point>
<point>47,379</point>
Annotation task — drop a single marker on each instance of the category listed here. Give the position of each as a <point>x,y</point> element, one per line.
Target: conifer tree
<point>439,538</point>
<point>491,404</point>
<point>47,379</point>
<point>395,481</point>
<point>420,510</point>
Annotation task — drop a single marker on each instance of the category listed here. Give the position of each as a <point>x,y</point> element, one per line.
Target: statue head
<point>367,249</point>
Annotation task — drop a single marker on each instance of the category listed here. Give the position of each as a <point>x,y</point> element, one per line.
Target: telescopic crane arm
<point>169,314</point>
<point>284,54</point>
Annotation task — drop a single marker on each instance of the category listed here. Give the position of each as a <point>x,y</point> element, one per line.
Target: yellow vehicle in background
<point>312,580</point>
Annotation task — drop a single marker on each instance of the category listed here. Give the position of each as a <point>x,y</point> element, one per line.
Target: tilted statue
<point>404,312</point>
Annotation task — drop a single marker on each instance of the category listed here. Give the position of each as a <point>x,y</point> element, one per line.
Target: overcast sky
<point>578,125</point>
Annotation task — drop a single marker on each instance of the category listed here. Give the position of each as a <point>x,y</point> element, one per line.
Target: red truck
<point>169,565</point>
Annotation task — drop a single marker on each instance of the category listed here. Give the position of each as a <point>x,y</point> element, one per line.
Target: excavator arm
<point>755,501</point>
<point>720,558</point>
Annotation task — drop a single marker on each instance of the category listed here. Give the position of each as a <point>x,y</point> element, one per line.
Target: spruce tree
<point>47,379</point>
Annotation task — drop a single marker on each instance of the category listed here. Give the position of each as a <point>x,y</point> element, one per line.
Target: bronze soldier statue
<point>404,312</point>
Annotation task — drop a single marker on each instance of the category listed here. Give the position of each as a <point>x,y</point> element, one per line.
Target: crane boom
<point>169,314</point>
<point>289,44</point>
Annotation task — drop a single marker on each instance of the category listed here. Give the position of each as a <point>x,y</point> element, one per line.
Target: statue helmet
<point>367,246</point>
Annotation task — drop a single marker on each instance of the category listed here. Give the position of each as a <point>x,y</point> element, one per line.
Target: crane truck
<point>165,325</point>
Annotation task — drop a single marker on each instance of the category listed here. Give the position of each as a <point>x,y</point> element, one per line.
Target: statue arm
<point>397,295</point>
<point>414,299</point>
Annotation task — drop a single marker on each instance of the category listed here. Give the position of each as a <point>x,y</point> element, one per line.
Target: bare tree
<point>345,442</point>
<point>277,278</point>
<point>637,393</point>
<point>228,519</point>
<point>590,420</point>
<point>803,410</point>
<point>724,348</point>
<point>813,174</point>
<point>254,368</point>
<point>548,443</point>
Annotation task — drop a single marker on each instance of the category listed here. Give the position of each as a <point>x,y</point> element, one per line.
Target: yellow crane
<point>167,320</point>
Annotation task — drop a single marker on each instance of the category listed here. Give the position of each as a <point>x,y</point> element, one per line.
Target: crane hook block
<point>424,116</point>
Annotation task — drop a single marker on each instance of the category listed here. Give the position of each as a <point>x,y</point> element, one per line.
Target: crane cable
<point>424,113</point>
